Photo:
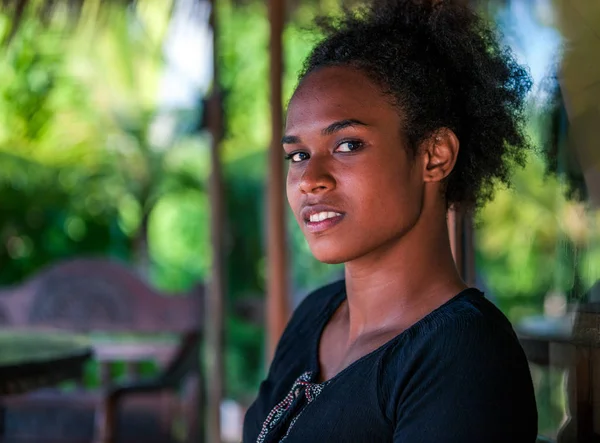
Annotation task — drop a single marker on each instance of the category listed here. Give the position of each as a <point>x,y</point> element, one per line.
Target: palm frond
<point>44,10</point>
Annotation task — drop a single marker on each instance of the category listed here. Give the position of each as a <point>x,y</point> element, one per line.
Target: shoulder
<point>476,328</point>
<point>468,332</point>
<point>465,360</point>
<point>468,319</point>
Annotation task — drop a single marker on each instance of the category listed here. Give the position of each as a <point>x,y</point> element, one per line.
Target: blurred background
<point>107,146</point>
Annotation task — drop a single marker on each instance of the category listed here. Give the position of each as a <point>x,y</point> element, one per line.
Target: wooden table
<point>32,360</point>
<point>547,341</point>
<point>572,343</point>
<point>551,341</point>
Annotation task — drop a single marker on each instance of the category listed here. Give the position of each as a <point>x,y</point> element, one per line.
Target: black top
<point>458,375</point>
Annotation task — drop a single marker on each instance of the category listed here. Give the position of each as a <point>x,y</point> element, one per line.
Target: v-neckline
<point>328,314</point>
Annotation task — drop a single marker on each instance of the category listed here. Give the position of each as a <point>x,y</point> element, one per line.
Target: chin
<point>330,254</point>
<point>329,259</point>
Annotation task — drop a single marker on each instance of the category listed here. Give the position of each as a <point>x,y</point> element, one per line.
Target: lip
<point>323,225</point>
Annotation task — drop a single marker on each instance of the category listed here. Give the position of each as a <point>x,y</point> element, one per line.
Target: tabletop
<point>552,341</point>
<point>31,360</point>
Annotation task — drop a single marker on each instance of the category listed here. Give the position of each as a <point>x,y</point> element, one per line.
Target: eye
<point>349,146</point>
<point>296,157</point>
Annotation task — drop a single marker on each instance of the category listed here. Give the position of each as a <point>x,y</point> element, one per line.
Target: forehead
<point>337,93</point>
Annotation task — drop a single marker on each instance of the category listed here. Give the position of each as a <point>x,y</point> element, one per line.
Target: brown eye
<point>348,146</point>
<point>296,157</point>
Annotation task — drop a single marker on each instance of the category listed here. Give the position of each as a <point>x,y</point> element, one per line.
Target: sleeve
<point>471,385</point>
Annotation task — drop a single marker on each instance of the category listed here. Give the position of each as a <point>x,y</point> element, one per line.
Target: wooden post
<point>469,271</point>
<point>277,295</point>
<point>216,293</point>
<point>461,232</point>
<point>454,232</point>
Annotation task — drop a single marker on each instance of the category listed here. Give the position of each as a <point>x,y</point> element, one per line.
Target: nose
<point>316,177</point>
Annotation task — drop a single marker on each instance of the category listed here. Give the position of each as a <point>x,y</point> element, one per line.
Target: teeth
<point>323,216</point>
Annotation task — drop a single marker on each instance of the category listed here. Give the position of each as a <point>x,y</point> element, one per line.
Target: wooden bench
<point>128,322</point>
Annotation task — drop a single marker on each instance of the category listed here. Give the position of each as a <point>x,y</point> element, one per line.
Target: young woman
<point>405,109</point>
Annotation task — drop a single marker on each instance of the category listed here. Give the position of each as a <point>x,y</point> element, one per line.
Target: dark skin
<point>385,208</point>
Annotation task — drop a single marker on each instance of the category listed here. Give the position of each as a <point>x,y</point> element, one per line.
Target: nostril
<point>316,186</point>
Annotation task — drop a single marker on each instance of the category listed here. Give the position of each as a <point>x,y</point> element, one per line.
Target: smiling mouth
<point>321,221</point>
<point>324,215</point>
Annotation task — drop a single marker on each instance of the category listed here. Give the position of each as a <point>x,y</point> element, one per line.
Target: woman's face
<point>354,187</point>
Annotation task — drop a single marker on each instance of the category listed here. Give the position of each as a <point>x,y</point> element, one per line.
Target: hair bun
<point>443,66</point>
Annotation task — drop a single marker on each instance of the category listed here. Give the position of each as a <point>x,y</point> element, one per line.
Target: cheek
<point>291,188</point>
<point>390,199</point>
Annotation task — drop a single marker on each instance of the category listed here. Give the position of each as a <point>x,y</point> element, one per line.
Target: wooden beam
<point>462,243</point>
<point>215,301</point>
<point>277,270</point>
<point>454,232</point>
<point>469,271</point>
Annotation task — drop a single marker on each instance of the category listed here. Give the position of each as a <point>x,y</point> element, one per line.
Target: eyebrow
<point>338,126</point>
<point>329,130</point>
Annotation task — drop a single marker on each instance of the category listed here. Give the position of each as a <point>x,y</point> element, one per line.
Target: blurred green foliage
<point>82,175</point>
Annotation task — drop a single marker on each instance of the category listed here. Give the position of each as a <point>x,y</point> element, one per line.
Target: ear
<point>439,155</point>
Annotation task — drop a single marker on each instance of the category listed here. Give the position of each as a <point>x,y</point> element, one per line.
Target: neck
<point>399,283</point>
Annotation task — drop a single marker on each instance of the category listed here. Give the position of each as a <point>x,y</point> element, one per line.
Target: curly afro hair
<point>443,67</point>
